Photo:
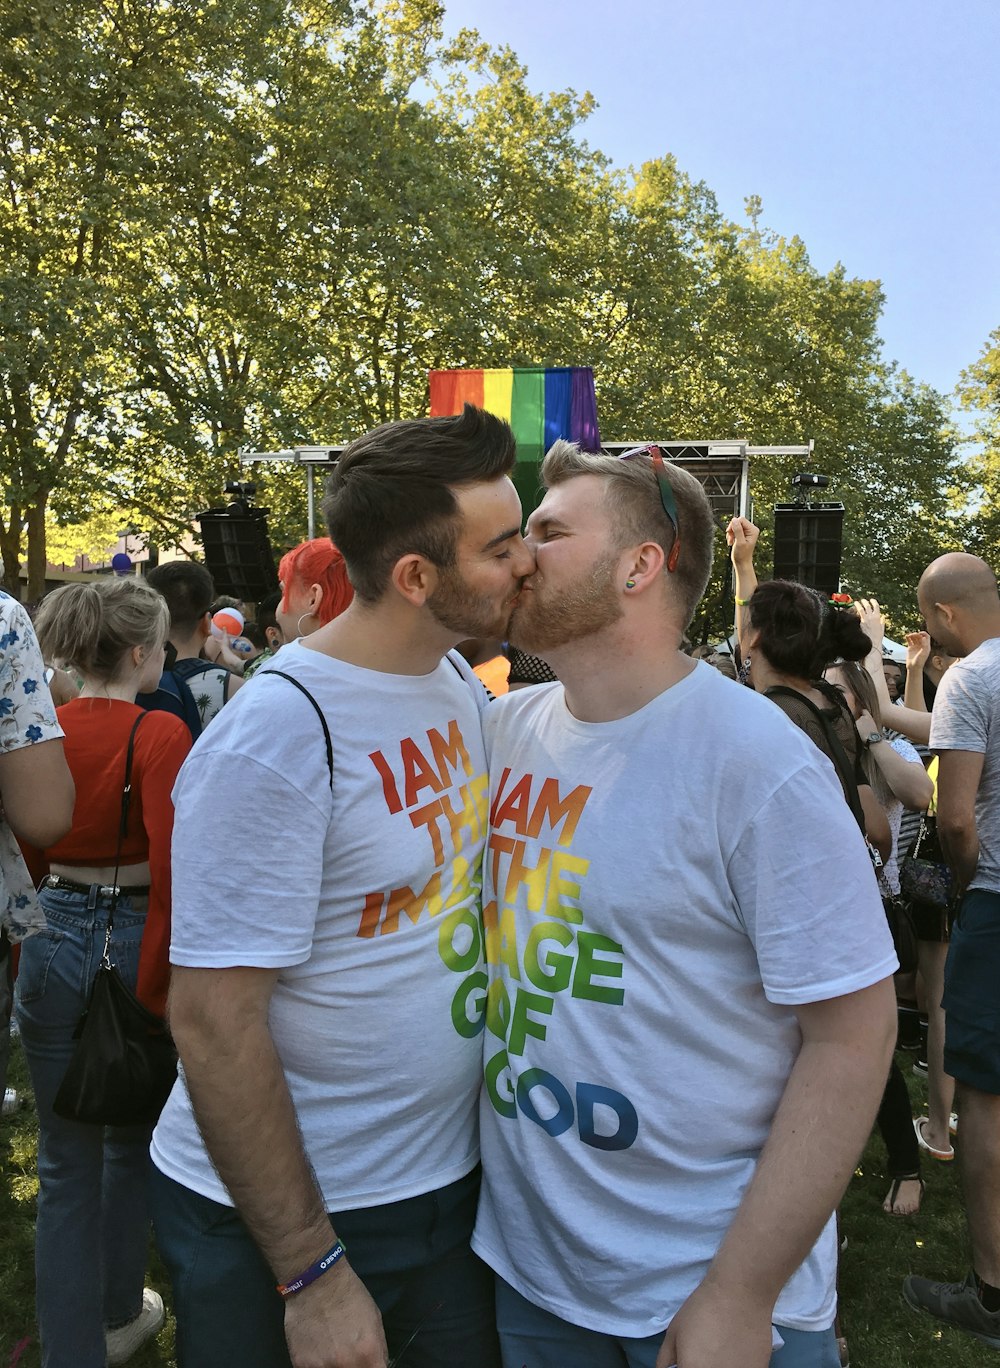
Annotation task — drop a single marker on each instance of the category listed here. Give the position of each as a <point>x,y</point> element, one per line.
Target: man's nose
<point>524,559</point>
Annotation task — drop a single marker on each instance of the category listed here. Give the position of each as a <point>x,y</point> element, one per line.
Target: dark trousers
<point>895,1122</point>
<point>435,1296</point>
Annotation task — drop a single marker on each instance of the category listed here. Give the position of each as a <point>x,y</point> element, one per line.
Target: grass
<point>881,1330</point>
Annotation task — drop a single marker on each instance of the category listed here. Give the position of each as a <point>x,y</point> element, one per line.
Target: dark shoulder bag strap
<point>122,830</point>
<point>264,674</point>
<point>838,755</point>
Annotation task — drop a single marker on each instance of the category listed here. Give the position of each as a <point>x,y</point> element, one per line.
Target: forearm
<point>244,1110</point>
<point>819,1130</point>
<point>913,693</point>
<point>744,584</point>
<point>909,781</point>
<point>915,726</point>
<point>960,847</point>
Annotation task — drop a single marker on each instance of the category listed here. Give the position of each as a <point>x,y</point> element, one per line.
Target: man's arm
<point>915,726</point>
<point>742,535</point>
<point>219,1020</point>
<point>820,1128</point>
<point>959,773</point>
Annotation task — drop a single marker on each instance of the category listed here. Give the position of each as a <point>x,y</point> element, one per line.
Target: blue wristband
<point>313,1272</point>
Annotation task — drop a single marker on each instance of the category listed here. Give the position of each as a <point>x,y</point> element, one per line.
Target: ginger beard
<point>545,618</point>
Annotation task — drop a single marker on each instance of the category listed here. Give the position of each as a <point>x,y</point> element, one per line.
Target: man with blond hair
<point>690,1013</point>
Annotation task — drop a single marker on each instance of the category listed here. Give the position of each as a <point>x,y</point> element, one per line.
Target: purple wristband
<point>313,1272</point>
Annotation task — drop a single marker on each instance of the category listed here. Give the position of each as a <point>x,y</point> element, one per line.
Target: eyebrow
<point>502,537</point>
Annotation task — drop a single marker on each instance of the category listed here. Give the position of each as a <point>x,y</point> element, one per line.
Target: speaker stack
<point>238,552</point>
<point>808,542</point>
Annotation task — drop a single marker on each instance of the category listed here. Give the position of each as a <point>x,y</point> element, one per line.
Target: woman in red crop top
<point>92,1181</point>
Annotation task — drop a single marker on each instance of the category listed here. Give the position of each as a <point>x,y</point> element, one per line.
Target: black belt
<point>104,890</point>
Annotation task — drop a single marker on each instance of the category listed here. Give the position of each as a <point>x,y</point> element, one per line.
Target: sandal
<point>889,1205</point>
<point>946,1156</point>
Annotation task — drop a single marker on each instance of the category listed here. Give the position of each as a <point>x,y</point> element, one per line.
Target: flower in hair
<point>840,600</point>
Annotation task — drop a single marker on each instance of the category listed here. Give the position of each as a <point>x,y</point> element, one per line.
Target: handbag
<point>926,878</point>
<point>124,1063</point>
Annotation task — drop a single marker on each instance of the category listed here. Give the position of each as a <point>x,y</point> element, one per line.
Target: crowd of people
<point>540,1029</point>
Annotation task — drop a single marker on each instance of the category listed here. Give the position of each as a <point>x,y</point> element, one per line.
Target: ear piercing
<point>630,584</point>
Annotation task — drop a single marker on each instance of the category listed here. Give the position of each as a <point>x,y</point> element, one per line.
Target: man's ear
<point>415,578</point>
<point>205,625</point>
<point>644,563</point>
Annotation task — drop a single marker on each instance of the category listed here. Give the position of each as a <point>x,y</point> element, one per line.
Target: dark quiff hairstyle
<point>90,627</point>
<point>189,591</point>
<point>801,632</point>
<point>636,511</point>
<point>392,492</point>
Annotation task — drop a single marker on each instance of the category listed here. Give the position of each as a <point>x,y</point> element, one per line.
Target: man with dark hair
<point>193,689</point>
<point>267,621</point>
<point>329,1023</point>
<point>957,596</point>
<point>690,1014</point>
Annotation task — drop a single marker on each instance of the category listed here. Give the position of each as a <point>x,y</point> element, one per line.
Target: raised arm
<point>918,650</point>
<point>914,726</point>
<point>741,536</point>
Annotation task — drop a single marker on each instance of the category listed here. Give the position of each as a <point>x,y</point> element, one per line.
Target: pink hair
<point>317,562</point>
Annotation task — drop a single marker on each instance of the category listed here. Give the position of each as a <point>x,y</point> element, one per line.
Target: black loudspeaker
<point>238,552</point>
<point>808,540</point>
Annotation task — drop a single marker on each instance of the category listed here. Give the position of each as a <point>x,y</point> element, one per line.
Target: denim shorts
<point>971,998</point>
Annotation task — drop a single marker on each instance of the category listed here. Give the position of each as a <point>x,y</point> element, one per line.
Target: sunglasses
<point>666,496</point>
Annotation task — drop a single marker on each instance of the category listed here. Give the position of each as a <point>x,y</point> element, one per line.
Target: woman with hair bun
<point>92,1230</point>
<point>789,634</point>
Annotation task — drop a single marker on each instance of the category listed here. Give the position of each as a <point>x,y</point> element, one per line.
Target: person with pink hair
<point>314,585</point>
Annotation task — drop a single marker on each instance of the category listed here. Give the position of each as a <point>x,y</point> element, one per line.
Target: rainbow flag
<point>540,403</point>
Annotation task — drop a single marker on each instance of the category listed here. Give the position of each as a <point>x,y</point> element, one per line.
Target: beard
<point>455,606</point>
<point>542,621</point>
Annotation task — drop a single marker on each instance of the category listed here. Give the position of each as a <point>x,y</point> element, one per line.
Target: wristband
<point>742,603</point>
<point>313,1272</point>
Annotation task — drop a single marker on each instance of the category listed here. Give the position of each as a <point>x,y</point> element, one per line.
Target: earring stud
<point>630,584</point>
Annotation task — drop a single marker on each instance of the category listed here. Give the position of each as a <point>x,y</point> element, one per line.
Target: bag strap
<point>122,831</point>
<point>838,755</point>
<point>264,674</point>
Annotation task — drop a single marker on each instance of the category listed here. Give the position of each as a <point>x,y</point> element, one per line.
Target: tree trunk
<point>10,550</point>
<point>36,549</point>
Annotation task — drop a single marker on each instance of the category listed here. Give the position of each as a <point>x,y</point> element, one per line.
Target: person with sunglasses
<point>688,966</point>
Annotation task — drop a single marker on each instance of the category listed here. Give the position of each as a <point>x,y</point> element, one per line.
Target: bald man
<point>958,598</point>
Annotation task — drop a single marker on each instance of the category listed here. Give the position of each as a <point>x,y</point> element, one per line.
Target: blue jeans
<point>435,1296</point>
<point>533,1338</point>
<point>92,1233</point>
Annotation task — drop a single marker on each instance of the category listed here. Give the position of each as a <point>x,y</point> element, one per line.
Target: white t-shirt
<point>366,900</point>
<point>659,893</point>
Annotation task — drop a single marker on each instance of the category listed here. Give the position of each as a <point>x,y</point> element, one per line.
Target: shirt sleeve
<point>159,774</point>
<point>27,713</point>
<point>959,720</point>
<point>808,896</point>
<point>248,856</point>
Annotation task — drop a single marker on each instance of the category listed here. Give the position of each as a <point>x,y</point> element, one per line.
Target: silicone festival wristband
<point>313,1272</point>
<point>742,603</point>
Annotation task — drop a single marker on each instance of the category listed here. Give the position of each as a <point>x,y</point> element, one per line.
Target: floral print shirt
<point>27,715</point>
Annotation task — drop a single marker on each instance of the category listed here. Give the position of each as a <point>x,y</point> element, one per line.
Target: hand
<point>918,650</point>
<point>741,536</point>
<point>335,1324</point>
<point>872,621</point>
<point>866,724</point>
<point>714,1329</point>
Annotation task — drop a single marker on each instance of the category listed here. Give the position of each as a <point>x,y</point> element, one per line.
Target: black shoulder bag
<point>124,1063</point>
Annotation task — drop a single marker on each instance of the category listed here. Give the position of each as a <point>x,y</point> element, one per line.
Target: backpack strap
<point>266,674</point>
<point>845,771</point>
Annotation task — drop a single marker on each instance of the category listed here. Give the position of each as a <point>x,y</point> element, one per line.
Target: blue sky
<point>870,130</point>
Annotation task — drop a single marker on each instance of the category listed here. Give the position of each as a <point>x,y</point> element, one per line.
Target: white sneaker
<point>10,1104</point>
<point>123,1342</point>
